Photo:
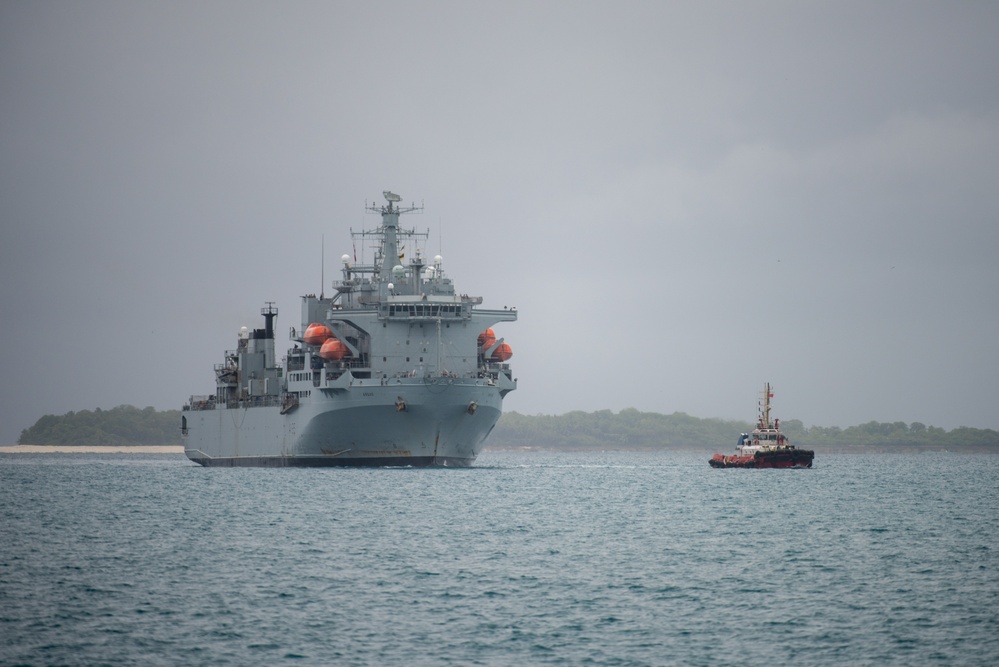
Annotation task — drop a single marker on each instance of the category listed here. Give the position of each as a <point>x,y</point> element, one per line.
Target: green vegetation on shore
<point>631,429</point>
<point>601,430</point>
<point>123,425</point>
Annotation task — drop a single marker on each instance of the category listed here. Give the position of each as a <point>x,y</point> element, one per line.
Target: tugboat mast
<point>765,412</point>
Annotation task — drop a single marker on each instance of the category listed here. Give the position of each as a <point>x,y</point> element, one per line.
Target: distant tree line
<point>631,429</point>
<point>600,430</point>
<point>123,425</point>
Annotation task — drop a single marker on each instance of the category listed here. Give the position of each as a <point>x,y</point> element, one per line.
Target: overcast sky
<point>684,200</point>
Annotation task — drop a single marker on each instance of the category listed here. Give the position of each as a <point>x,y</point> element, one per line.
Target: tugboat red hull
<point>792,458</point>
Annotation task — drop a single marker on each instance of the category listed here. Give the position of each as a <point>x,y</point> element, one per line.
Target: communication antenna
<point>322,270</point>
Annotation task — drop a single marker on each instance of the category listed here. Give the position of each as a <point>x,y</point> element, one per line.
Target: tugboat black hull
<point>796,458</point>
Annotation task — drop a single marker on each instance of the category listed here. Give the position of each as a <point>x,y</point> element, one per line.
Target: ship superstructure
<point>395,368</point>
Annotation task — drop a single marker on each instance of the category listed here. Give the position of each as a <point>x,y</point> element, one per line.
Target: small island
<point>629,429</point>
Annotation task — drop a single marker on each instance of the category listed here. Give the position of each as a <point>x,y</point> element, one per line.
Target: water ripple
<point>530,558</point>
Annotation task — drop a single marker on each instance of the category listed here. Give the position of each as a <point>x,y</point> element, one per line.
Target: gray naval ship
<point>394,369</point>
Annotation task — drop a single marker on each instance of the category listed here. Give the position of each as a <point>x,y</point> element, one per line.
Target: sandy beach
<point>63,449</point>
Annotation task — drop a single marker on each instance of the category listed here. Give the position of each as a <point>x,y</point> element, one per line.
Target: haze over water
<point>528,558</point>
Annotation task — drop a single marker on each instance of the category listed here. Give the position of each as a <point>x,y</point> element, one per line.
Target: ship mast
<point>390,236</point>
<point>766,406</point>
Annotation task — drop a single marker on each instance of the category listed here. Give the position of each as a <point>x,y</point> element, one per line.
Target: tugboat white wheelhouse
<point>394,369</point>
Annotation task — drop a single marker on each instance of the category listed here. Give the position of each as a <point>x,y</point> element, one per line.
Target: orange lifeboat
<point>317,334</point>
<point>502,352</point>
<point>487,338</point>
<point>333,349</point>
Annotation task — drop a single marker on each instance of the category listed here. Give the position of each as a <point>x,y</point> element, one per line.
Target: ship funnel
<point>269,312</point>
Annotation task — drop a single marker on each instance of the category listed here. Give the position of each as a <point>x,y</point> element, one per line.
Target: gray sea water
<point>529,558</point>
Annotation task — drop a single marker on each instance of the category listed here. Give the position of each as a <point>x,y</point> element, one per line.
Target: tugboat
<point>766,446</point>
<point>397,368</point>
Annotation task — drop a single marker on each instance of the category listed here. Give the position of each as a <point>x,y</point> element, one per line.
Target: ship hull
<point>418,424</point>
<point>798,458</point>
<point>330,462</point>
